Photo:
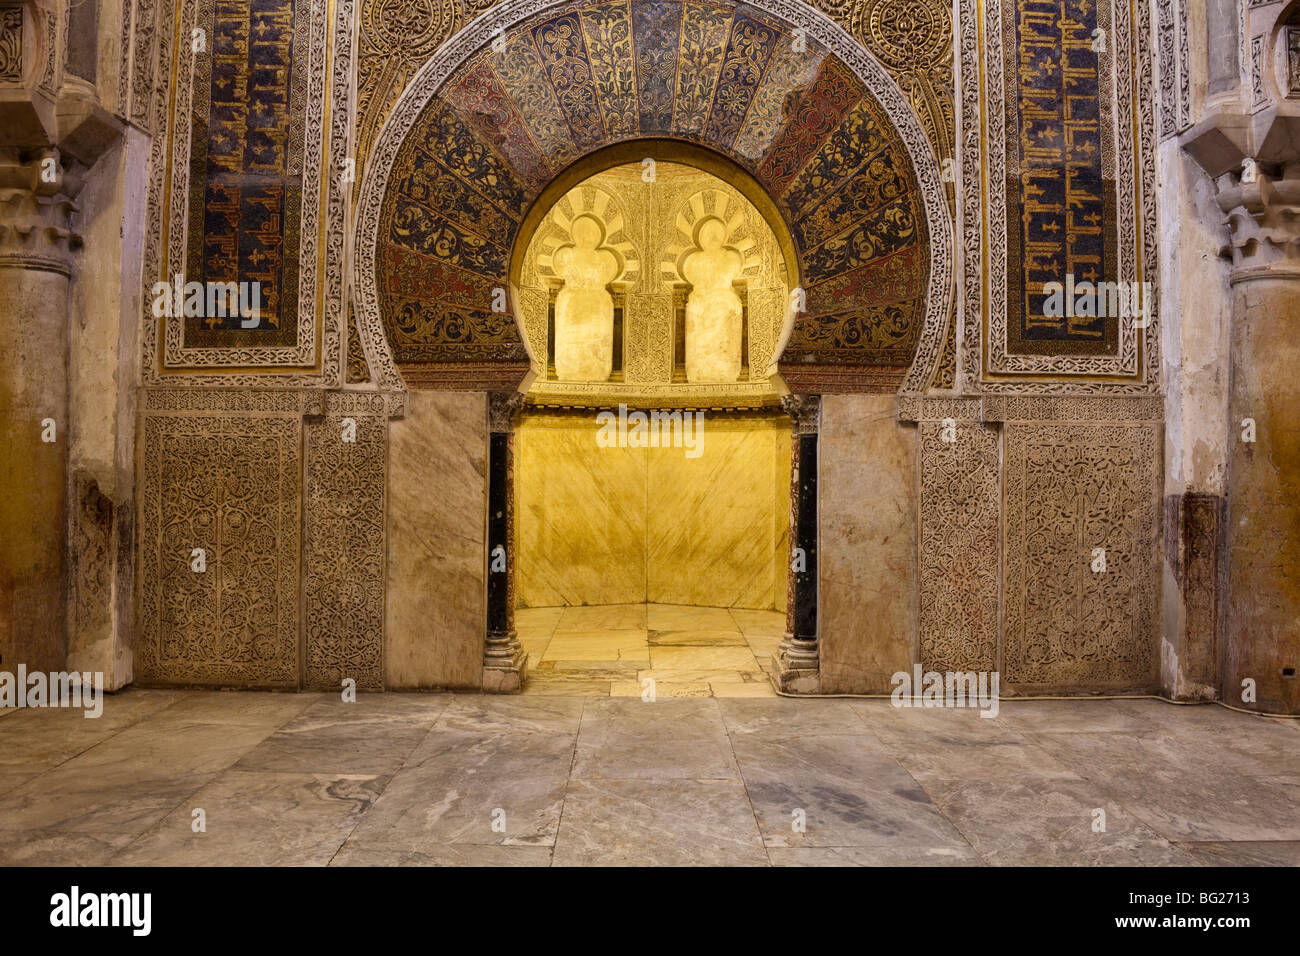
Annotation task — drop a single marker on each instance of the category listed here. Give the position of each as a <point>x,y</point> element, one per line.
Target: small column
<point>796,663</point>
<point>1262,634</point>
<point>505,665</point>
<point>37,245</point>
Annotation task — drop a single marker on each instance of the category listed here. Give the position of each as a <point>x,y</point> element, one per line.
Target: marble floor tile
<point>259,819</point>
<point>1067,716</point>
<point>1168,783</point>
<point>787,717</point>
<point>538,619</point>
<point>697,638</point>
<point>684,617</point>
<point>460,854</point>
<point>602,617</point>
<point>846,792</point>
<point>622,738</point>
<point>750,689</point>
<point>873,856</point>
<point>479,713</point>
<point>461,787</point>
<point>759,623</point>
<point>174,745</point>
<point>567,687</point>
<point>107,800</point>
<point>678,719</point>
<point>569,671</point>
<point>335,739</point>
<point>414,779</point>
<point>662,689</point>
<point>1246,853</point>
<point>56,847</point>
<point>625,645</point>
<point>704,675</point>
<point>1044,821</point>
<point>702,659</point>
<point>233,707</point>
<point>658,822</point>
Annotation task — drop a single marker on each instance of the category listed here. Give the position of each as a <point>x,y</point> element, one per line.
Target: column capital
<point>804,410</point>
<point>502,409</point>
<point>36,214</point>
<point>1262,204</point>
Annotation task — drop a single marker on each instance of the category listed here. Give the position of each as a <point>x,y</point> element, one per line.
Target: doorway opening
<point>652,455</point>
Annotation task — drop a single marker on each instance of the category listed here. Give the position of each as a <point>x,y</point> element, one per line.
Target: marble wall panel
<point>581,516</point>
<point>867,543</point>
<point>781,523</point>
<point>627,525</point>
<point>710,519</point>
<point>436,615</point>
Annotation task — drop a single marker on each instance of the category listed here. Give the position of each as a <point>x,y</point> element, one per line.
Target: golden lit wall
<point>627,525</point>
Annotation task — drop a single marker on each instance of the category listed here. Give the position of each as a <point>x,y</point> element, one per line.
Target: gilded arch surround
<point>830,349</point>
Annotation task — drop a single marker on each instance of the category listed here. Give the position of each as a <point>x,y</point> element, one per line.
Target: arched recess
<point>516,102</point>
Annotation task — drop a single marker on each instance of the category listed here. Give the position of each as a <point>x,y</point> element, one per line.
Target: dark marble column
<point>796,664</point>
<point>505,665</point>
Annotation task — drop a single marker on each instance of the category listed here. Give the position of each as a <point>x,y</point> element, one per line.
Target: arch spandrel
<point>531,90</point>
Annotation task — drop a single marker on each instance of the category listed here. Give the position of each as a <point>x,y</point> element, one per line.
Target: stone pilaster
<point>1262,632</point>
<point>37,245</point>
<point>505,665</point>
<point>796,664</point>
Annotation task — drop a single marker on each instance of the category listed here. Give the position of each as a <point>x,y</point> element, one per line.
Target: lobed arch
<point>536,95</point>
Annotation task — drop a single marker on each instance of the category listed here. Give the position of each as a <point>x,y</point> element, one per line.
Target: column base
<point>505,664</point>
<point>796,668</point>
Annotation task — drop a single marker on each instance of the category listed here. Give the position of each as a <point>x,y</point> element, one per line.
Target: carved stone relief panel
<point>344,543</point>
<point>960,544</point>
<point>1081,527</point>
<point>220,508</point>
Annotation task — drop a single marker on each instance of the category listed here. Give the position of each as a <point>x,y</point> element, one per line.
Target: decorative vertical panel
<point>344,543</point>
<point>1073,488</point>
<point>960,545</point>
<point>220,473</point>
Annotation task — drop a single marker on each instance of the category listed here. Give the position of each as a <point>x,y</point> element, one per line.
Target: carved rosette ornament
<point>1263,222</point>
<point>36,215</point>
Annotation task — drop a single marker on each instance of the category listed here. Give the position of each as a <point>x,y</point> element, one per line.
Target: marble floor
<point>468,779</point>
<point>614,650</point>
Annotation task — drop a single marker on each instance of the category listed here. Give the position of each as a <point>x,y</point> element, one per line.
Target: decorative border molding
<point>317,359</point>
<point>1135,370</point>
<point>435,72</point>
<point>1033,408</point>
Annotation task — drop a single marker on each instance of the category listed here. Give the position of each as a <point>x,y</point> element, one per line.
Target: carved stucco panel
<point>230,485</point>
<point>1070,489</point>
<point>344,543</point>
<point>960,542</point>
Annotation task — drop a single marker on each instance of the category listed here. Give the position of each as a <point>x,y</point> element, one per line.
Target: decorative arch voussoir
<point>533,88</point>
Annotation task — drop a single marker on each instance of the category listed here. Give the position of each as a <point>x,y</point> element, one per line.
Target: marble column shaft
<point>1262,639</point>
<point>36,247</point>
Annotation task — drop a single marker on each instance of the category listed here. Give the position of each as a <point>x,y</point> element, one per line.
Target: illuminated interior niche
<point>661,290</point>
